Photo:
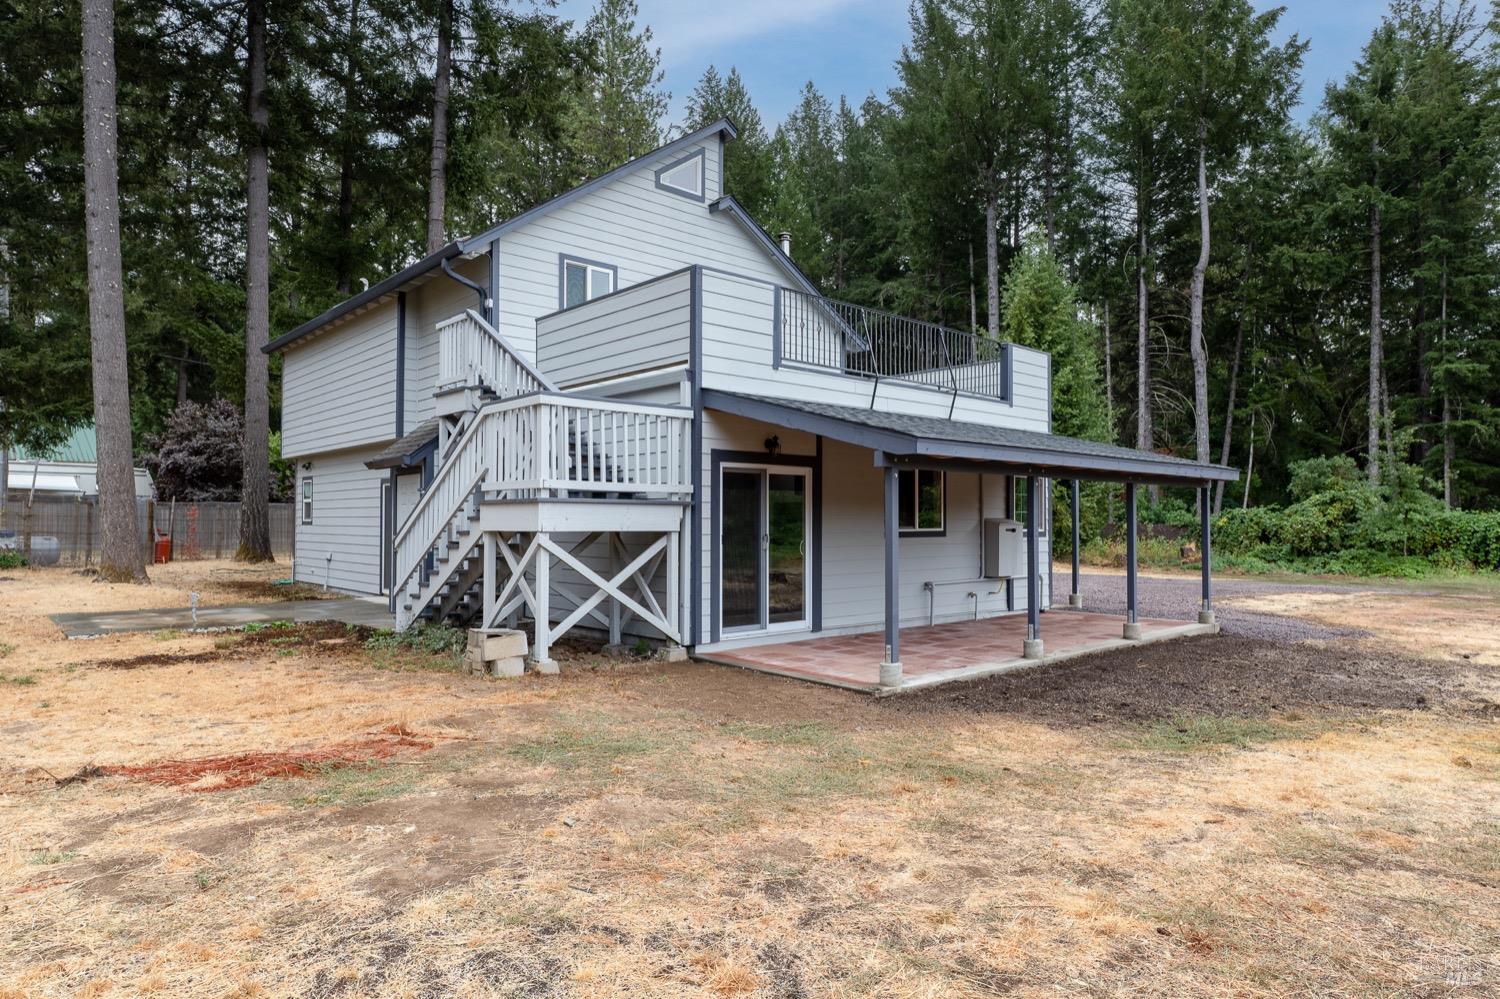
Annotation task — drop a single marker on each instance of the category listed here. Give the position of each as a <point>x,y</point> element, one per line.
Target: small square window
<point>583,281</point>
<point>307,499</point>
<point>921,507</point>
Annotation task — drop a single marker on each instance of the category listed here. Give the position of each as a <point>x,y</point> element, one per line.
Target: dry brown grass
<point>691,830</point>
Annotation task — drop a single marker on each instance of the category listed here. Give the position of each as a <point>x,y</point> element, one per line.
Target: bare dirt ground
<point>300,812</point>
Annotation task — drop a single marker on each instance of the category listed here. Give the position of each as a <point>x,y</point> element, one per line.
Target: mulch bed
<point>1216,675</point>
<point>327,638</point>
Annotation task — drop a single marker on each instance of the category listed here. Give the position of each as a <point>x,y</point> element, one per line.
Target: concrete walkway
<point>371,613</point>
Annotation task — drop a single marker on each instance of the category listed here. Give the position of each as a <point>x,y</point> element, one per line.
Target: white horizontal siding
<point>430,303</point>
<point>629,224</point>
<point>642,328</point>
<point>338,389</point>
<point>341,547</point>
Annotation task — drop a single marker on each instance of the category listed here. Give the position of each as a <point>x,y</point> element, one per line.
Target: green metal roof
<point>80,446</point>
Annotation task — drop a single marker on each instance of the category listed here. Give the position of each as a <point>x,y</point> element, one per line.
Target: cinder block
<point>503,643</point>
<point>507,666</point>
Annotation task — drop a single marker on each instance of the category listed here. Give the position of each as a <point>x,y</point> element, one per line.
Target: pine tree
<point>255,514</point>
<point>747,160</point>
<point>619,114</point>
<point>120,556</point>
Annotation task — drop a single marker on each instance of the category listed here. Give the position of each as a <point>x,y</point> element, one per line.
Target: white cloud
<point>682,27</point>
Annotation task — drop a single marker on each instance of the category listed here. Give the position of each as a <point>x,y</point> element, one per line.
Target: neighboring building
<point>627,409</point>
<point>68,470</point>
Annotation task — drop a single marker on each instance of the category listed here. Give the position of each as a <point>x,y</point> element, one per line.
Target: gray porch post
<point>1075,599</point>
<point>490,612</point>
<point>1206,612</point>
<point>890,666</point>
<point>1031,648</point>
<point>1132,627</point>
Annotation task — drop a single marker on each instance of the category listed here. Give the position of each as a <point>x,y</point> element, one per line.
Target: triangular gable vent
<point>684,177</point>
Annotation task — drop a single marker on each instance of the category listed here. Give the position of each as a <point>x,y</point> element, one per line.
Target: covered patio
<point>896,658</point>
<point>961,650</point>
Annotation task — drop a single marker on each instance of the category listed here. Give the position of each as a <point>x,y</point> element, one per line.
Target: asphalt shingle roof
<point>934,436</point>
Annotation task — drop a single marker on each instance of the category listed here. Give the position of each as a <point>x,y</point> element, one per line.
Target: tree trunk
<point>1142,330</point>
<point>1447,416</point>
<point>1109,375</point>
<point>1196,342</point>
<point>992,260</point>
<point>1373,442</point>
<point>973,294</point>
<point>344,262</point>
<point>121,558</point>
<point>1249,464</point>
<point>1049,195</point>
<point>255,513</point>
<point>437,179</point>
<point>1234,377</point>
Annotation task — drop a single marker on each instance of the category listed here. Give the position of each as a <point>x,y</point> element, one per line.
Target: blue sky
<point>850,46</point>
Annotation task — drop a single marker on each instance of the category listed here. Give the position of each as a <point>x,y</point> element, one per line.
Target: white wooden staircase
<point>527,475</point>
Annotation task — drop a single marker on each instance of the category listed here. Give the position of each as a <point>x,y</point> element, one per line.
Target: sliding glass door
<point>763,544</point>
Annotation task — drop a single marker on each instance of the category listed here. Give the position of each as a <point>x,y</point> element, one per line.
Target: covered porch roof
<point>928,440</point>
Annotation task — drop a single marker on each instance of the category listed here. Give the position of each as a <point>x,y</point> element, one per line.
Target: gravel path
<point>1179,598</point>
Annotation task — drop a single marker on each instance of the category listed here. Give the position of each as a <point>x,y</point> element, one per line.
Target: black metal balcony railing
<point>857,340</point>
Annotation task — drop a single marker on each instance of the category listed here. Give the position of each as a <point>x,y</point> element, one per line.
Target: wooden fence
<point>70,528</point>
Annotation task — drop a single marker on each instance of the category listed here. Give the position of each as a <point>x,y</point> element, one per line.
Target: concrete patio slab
<point>370,613</point>
<point>944,653</point>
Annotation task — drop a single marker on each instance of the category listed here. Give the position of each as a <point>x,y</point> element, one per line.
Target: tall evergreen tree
<point>120,554</point>
<point>619,114</point>
<point>255,514</point>
<point>747,160</point>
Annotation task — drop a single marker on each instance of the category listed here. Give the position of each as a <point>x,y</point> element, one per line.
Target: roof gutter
<point>376,291</point>
<point>478,289</point>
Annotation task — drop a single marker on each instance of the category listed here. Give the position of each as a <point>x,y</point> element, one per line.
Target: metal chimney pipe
<point>786,243</point>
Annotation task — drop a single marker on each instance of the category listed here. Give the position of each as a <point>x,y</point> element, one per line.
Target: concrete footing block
<point>1206,617</point>
<point>1075,600</point>
<point>672,654</point>
<point>509,666</point>
<point>890,674</point>
<point>1132,631</point>
<point>1031,648</point>
<point>546,667</point>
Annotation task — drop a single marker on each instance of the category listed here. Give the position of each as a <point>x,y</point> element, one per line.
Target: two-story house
<point>627,410</point>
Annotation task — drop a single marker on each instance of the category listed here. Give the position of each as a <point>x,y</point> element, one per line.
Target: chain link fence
<point>54,531</point>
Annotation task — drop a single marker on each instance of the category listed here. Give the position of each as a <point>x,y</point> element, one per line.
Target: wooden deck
<point>945,653</point>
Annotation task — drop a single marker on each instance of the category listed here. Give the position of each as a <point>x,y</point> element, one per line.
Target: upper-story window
<point>584,280</point>
<point>686,176</point>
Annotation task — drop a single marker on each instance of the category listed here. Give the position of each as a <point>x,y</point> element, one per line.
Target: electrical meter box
<point>1004,548</point>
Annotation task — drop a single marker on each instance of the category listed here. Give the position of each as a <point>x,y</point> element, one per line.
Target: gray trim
<point>1052,456</point>
<point>563,260</point>
<point>701,155</point>
<point>760,459</point>
<point>695,372</point>
<point>370,294</point>
<point>401,364</point>
<point>721,127</point>
<point>727,204</point>
<point>1033,556</point>
<point>891,537</point>
<point>1130,529</point>
<point>492,314</point>
<point>776,326</point>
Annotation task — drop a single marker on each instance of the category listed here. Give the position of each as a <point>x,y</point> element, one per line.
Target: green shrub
<point>12,560</point>
<point>434,639</point>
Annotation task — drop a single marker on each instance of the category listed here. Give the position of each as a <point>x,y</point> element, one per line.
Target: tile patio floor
<point>942,653</point>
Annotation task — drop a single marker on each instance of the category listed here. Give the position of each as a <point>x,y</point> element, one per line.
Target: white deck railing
<point>550,444</point>
<point>472,353</point>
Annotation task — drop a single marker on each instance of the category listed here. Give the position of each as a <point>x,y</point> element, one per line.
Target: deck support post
<point>487,616</point>
<point>890,666</point>
<point>1031,648</point>
<point>1206,612</point>
<point>1075,598</point>
<point>541,612</point>
<point>1132,626</point>
<point>613,543</point>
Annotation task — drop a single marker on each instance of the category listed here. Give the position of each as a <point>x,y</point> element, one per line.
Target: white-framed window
<point>307,499</point>
<point>584,280</point>
<point>922,501</point>
<point>1018,503</point>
